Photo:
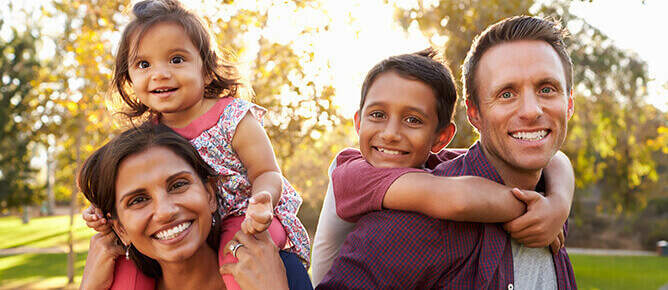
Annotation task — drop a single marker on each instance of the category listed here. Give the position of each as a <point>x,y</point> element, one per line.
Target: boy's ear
<point>120,230</point>
<point>473,114</point>
<point>357,122</point>
<point>443,137</point>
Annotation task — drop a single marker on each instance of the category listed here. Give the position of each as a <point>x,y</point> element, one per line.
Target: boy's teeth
<point>530,136</point>
<point>389,151</point>
<point>173,232</point>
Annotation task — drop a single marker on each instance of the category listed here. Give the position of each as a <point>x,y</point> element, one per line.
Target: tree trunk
<point>50,181</point>
<point>71,256</point>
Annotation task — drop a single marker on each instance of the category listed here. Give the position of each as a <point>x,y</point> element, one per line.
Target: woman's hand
<point>259,266</point>
<point>102,253</point>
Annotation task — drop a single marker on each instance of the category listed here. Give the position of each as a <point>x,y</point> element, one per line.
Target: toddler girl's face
<point>167,72</point>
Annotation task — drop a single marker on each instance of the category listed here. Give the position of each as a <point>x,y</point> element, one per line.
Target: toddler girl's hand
<point>95,219</point>
<point>259,213</point>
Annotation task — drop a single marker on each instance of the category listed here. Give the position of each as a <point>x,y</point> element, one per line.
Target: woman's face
<point>163,207</point>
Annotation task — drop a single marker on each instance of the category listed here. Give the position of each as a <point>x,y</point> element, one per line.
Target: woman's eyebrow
<point>177,175</point>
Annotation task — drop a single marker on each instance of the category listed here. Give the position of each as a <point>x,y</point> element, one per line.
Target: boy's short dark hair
<point>426,66</point>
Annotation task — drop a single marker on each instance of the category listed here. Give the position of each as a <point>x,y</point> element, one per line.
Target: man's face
<point>397,125</point>
<point>523,104</point>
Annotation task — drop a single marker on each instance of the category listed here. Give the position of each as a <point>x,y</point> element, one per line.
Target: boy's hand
<point>259,213</point>
<point>558,242</point>
<point>95,219</point>
<point>539,226</point>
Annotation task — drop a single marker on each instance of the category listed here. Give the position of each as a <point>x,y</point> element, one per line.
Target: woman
<point>160,198</point>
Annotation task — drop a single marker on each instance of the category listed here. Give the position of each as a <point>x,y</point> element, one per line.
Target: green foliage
<point>619,272</point>
<point>19,72</point>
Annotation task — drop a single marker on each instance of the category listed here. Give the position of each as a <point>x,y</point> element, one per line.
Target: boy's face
<point>397,124</point>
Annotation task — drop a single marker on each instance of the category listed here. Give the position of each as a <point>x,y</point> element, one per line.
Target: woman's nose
<point>165,209</point>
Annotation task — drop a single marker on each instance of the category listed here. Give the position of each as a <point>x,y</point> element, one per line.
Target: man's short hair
<point>426,66</point>
<point>512,29</point>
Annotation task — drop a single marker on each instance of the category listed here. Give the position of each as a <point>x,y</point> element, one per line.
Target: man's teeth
<point>173,232</point>
<point>389,151</point>
<point>530,136</point>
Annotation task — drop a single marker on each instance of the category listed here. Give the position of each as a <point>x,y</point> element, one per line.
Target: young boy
<point>405,113</point>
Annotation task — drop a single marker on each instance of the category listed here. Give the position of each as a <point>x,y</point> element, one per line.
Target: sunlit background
<point>306,60</point>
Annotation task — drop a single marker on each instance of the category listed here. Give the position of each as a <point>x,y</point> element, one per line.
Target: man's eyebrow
<point>167,180</point>
<point>550,80</point>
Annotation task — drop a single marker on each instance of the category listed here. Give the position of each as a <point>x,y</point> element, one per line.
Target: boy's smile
<point>397,125</point>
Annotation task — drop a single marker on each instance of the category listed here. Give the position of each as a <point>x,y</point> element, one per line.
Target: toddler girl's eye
<point>177,60</point>
<point>546,90</point>
<point>506,95</point>
<point>143,64</point>
<point>136,200</point>
<point>413,120</point>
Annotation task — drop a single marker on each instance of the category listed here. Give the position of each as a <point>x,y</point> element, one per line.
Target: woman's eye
<point>177,60</point>
<point>506,95</point>
<point>143,64</point>
<point>546,90</point>
<point>179,184</point>
<point>413,120</point>
<point>136,200</point>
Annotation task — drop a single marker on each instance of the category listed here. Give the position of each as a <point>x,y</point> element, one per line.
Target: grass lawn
<point>43,232</point>
<point>38,271</point>
<point>620,272</point>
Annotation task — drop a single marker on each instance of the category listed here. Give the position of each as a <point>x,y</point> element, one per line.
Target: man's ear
<point>473,114</point>
<point>571,105</point>
<point>357,121</point>
<point>443,137</point>
<point>120,230</point>
<point>211,195</point>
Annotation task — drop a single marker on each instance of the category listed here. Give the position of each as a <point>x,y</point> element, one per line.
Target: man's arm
<point>329,235</point>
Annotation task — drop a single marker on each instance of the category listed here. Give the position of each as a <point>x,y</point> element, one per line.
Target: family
<point>193,198</point>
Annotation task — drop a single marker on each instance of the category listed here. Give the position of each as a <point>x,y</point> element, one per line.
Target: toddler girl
<point>168,68</point>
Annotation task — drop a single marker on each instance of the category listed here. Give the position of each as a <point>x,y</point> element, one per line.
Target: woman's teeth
<point>173,232</point>
<point>530,136</point>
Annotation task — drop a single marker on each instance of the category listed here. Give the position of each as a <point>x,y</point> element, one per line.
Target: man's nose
<point>530,107</point>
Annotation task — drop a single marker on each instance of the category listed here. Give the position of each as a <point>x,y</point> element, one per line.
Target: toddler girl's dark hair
<point>146,14</point>
<point>426,66</point>
<point>96,178</point>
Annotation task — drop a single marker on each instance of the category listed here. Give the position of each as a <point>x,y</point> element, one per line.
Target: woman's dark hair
<point>148,13</point>
<point>97,177</point>
<point>426,66</point>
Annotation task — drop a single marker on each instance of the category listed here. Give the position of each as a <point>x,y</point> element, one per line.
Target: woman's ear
<point>211,195</point>
<point>119,229</point>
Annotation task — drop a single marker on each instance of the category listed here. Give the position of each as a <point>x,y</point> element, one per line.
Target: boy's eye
<point>506,95</point>
<point>143,64</point>
<point>177,60</point>
<point>136,200</point>
<point>378,115</point>
<point>413,120</point>
<point>546,90</point>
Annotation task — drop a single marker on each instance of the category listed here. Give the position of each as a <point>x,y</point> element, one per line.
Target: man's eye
<point>136,200</point>
<point>177,60</point>
<point>506,95</point>
<point>143,64</point>
<point>546,90</point>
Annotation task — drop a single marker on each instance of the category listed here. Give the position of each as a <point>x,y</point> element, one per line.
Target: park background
<point>306,60</point>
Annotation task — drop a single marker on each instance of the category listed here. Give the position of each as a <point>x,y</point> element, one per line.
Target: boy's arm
<point>545,218</point>
<point>461,198</point>
<point>329,235</point>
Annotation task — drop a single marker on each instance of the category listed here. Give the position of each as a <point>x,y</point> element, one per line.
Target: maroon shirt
<point>396,249</point>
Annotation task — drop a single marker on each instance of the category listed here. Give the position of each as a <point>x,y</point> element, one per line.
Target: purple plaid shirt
<point>396,249</point>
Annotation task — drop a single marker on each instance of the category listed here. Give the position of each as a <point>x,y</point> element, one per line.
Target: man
<point>518,89</point>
